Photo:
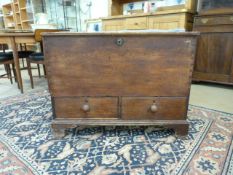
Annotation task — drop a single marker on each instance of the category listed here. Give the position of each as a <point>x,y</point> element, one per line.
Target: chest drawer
<point>81,107</point>
<point>214,20</point>
<point>159,108</point>
<point>136,23</point>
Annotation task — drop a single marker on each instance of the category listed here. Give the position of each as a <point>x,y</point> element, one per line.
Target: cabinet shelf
<point>28,20</point>
<point>16,13</point>
<point>8,16</point>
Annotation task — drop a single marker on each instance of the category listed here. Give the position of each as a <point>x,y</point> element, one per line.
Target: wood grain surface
<point>97,66</point>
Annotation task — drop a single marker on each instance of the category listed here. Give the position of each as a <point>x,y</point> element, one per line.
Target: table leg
<point>16,61</point>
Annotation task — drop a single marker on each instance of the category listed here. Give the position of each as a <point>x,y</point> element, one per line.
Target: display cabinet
<point>18,14</point>
<point>215,6</point>
<point>160,21</point>
<point>23,14</point>
<point>64,14</point>
<point>171,17</point>
<point>116,6</point>
<point>70,15</point>
<point>8,16</point>
<point>214,59</point>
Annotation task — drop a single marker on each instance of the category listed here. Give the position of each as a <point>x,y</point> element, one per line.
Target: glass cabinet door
<point>211,5</point>
<point>63,13</point>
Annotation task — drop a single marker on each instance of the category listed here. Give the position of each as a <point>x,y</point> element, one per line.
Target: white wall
<point>99,8</point>
<point>2,2</point>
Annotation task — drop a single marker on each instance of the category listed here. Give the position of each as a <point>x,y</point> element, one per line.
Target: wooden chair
<point>6,59</point>
<point>24,53</point>
<point>38,57</point>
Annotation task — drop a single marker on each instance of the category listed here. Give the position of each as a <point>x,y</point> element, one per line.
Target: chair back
<point>3,47</point>
<point>38,32</point>
<point>38,37</point>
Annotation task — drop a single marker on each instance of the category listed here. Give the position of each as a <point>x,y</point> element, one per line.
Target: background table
<point>12,39</point>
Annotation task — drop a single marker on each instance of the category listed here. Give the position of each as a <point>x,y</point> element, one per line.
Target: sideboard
<point>214,60</point>
<point>176,19</point>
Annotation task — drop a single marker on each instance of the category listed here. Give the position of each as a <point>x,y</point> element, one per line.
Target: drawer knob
<point>136,23</point>
<point>86,107</point>
<point>153,108</point>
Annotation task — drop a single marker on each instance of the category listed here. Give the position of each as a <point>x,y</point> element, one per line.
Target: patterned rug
<point>27,146</point>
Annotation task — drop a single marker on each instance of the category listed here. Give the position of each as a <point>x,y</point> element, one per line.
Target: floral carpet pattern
<point>28,147</point>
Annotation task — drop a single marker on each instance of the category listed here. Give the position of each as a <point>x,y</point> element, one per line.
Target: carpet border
<point>181,166</point>
<point>202,107</point>
<point>229,159</point>
<point>25,159</point>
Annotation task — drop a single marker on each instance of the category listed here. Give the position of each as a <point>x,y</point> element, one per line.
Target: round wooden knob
<point>153,108</point>
<point>86,107</point>
<point>135,23</point>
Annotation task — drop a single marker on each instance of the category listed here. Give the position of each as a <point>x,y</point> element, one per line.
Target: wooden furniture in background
<point>116,7</point>
<point>158,20</point>
<point>17,15</point>
<point>165,18</point>
<point>13,39</point>
<point>214,60</point>
<point>6,59</point>
<point>119,78</point>
<point>38,57</point>
<point>8,16</point>
<point>210,7</point>
<point>22,15</point>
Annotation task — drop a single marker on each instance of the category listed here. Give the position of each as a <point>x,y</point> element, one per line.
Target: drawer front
<point>168,22</point>
<point>215,20</point>
<point>160,108</point>
<point>97,108</point>
<point>136,23</point>
<point>114,25</point>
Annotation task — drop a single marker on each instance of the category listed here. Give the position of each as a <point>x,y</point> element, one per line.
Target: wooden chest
<point>119,78</point>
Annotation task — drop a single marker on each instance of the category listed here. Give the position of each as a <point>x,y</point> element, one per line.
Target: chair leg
<point>44,70</point>
<point>14,71</point>
<point>5,67</point>
<point>23,62</point>
<point>10,73</point>
<point>38,67</point>
<point>8,70</point>
<point>30,73</point>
